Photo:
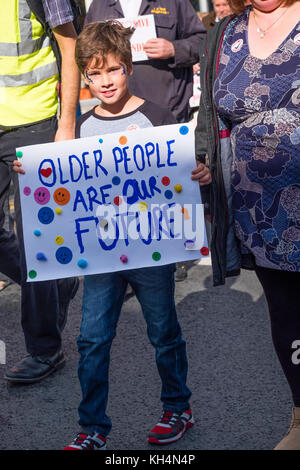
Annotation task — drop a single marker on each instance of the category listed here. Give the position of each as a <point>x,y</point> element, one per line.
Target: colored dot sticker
<point>41,257</point>
<point>189,244</point>
<point>165,180</point>
<point>61,196</point>
<point>204,251</point>
<point>118,200</point>
<point>37,233</point>
<point>185,212</point>
<point>27,191</point>
<point>19,154</point>
<point>59,240</point>
<point>178,188</point>
<point>82,263</point>
<point>46,215</point>
<point>58,210</point>
<point>124,258</point>
<point>41,195</point>
<point>64,255</point>
<point>184,130</point>
<point>32,274</point>
<point>156,256</point>
<point>101,141</point>
<point>123,140</point>
<point>116,180</point>
<point>143,206</point>
<point>168,194</point>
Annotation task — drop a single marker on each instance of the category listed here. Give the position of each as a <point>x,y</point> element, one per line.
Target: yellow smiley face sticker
<point>59,240</point>
<point>61,196</point>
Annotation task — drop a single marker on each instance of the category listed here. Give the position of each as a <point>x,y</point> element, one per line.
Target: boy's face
<point>108,81</point>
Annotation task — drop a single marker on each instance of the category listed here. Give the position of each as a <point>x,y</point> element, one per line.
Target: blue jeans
<point>102,302</point>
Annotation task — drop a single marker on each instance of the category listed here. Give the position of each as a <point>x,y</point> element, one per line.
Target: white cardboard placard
<point>144,29</point>
<point>112,202</point>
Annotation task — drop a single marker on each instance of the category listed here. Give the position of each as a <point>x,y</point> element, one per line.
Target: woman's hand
<point>202,174</point>
<point>17,167</point>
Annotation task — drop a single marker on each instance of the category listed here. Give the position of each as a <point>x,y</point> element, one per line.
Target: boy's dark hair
<point>99,39</point>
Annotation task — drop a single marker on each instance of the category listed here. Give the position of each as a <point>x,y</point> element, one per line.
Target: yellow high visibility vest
<point>28,69</point>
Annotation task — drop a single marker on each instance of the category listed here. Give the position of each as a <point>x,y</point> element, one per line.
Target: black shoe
<point>67,289</point>
<point>35,368</point>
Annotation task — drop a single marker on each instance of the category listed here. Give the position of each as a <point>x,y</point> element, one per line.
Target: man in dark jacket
<point>167,77</point>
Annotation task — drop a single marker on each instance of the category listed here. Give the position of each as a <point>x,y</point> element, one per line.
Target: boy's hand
<point>17,167</point>
<point>202,174</point>
<point>159,48</point>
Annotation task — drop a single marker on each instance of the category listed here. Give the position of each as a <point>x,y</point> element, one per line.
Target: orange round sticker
<point>123,140</point>
<point>61,196</point>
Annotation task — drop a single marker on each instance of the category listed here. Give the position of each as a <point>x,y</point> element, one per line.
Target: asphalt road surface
<point>240,397</point>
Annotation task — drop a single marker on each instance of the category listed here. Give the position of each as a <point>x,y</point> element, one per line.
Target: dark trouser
<point>40,307</point>
<point>281,289</point>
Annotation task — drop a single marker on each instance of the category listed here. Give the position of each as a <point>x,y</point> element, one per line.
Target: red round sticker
<point>165,180</point>
<point>118,200</point>
<point>204,251</point>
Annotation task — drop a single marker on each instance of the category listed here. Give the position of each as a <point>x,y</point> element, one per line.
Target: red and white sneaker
<point>87,442</point>
<point>171,427</point>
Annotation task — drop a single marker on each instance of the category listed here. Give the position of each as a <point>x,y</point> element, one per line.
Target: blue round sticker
<point>168,194</point>
<point>183,130</point>
<point>64,255</point>
<point>116,180</point>
<point>46,215</point>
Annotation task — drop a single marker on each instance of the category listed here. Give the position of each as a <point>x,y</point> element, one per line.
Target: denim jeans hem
<point>92,429</point>
<point>176,407</point>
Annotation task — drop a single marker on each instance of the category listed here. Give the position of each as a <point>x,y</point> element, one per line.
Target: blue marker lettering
<point>79,199</point>
<point>47,183</point>
<point>152,185</point>
<point>98,161</point>
<point>79,231</point>
<point>62,181</point>
<point>92,193</point>
<point>103,194</point>
<point>126,159</point>
<point>116,238</point>
<point>85,166</point>
<point>71,164</point>
<point>170,152</point>
<point>116,150</point>
<point>149,149</point>
<point>140,148</point>
<point>159,165</point>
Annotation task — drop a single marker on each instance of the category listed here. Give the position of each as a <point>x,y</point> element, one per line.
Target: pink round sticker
<point>41,195</point>
<point>26,190</point>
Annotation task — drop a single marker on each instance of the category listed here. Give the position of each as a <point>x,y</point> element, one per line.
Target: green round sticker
<point>19,154</point>
<point>156,256</point>
<point>32,274</point>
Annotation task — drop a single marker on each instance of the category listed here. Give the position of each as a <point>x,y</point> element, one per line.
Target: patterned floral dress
<point>259,101</point>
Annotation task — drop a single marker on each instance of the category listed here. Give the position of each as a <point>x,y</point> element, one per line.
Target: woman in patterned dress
<point>250,129</point>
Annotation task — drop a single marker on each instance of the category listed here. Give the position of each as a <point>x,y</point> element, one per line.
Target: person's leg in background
<point>43,304</point>
<point>281,289</point>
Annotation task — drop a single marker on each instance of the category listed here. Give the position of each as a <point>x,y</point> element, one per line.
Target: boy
<point>103,55</point>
